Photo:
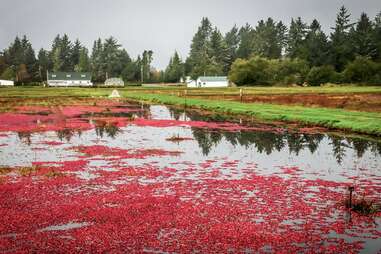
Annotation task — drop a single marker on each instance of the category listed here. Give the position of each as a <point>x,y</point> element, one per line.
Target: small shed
<point>210,81</point>
<point>6,82</point>
<point>114,82</point>
<point>69,79</point>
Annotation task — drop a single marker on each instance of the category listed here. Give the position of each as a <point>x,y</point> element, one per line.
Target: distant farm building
<point>6,83</point>
<point>114,82</point>
<point>211,81</point>
<point>69,79</point>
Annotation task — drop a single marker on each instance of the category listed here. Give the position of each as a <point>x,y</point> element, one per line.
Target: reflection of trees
<point>66,134</point>
<point>111,129</point>
<point>25,137</point>
<point>206,139</point>
<point>268,142</point>
<point>338,147</point>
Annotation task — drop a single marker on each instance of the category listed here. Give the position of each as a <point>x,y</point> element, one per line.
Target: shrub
<point>254,71</point>
<point>262,71</point>
<point>292,71</point>
<point>361,70</point>
<point>321,75</point>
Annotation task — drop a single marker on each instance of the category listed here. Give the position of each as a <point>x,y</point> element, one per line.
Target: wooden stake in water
<point>351,189</point>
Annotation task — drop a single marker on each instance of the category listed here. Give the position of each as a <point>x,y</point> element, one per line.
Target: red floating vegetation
<point>226,126</point>
<point>99,150</point>
<point>257,213</point>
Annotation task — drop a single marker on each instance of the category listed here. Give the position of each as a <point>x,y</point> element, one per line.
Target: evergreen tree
<point>97,61</point>
<point>362,37</point>
<point>269,39</point>
<point>175,69</point>
<point>199,58</point>
<point>146,65</point>
<point>219,52</point>
<point>317,47</point>
<point>43,64</point>
<point>75,53</point>
<point>232,43</point>
<point>296,39</point>
<point>377,36</point>
<point>246,34</point>
<point>341,45</point>
<point>83,61</point>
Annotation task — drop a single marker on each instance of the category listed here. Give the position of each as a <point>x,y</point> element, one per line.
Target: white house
<point>6,82</point>
<point>211,81</point>
<point>69,79</point>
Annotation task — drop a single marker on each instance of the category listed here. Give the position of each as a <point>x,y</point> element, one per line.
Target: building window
<point>68,75</point>
<point>54,75</point>
<point>83,76</point>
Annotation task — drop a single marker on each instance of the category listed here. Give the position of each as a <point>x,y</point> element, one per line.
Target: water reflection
<point>268,142</point>
<point>264,142</point>
<point>110,129</point>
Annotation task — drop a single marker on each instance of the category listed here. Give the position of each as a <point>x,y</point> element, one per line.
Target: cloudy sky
<point>161,25</point>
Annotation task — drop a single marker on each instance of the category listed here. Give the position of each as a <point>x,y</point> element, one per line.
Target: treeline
<point>272,53</point>
<point>107,59</point>
<point>269,53</point>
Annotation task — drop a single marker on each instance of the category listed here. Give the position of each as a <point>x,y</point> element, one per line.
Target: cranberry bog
<point>91,175</point>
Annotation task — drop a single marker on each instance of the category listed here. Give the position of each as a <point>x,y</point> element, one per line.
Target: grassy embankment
<point>26,92</point>
<point>361,122</point>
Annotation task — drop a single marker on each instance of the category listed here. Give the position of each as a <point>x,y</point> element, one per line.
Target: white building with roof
<point>6,82</point>
<point>69,79</point>
<point>209,81</point>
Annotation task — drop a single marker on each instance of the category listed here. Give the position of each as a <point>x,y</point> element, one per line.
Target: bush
<point>254,71</point>
<point>321,75</point>
<point>361,70</point>
<point>291,71</point>
<point>262,71</point>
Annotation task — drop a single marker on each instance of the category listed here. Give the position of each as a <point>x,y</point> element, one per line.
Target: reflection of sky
<point>320,164</point>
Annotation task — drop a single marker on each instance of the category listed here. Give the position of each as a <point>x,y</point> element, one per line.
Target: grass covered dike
<point>361,122</point>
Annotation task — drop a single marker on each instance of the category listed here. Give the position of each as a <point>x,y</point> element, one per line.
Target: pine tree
<point>232,43</point>
<point>219,52</point>
<point>317,47</point>
<point>175,69</point>
<point>83,61</point>
<point>341,46</point>
<point>43,64</point>
<point>296,39</point>
<point>199,57</point>
<point>269,39</point>
<point>245,49</point>
<point>377,36</point>
<point>97,61</point>
<point>362,37</point>
<point>75,53</point>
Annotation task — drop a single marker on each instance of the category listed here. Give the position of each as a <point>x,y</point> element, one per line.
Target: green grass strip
<point>361,122</point>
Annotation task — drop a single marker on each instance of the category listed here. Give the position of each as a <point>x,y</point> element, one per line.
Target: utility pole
<point>141,73</point>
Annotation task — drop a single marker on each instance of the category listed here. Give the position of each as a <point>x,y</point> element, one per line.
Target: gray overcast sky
<point>160,25</point>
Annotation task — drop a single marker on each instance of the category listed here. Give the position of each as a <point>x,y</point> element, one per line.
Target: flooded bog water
<point>124,178</point>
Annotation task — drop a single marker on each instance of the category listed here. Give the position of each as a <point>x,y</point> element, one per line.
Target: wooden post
<point>351,189</point>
